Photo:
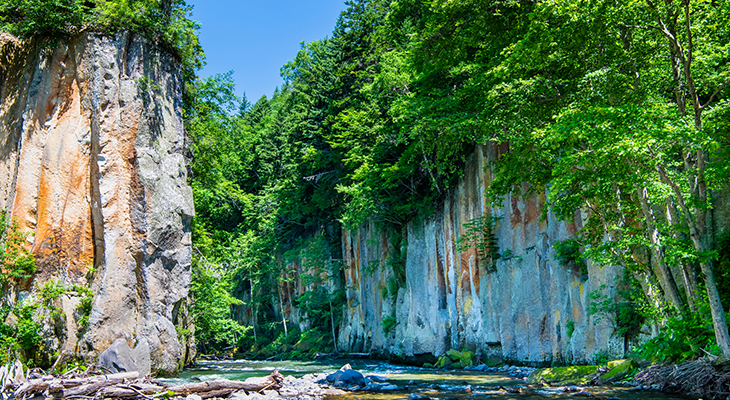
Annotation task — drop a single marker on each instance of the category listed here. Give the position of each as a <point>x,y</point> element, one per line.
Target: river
<point>442,384</point>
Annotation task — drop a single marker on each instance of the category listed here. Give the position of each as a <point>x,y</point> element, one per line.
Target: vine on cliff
<point>479,235</point>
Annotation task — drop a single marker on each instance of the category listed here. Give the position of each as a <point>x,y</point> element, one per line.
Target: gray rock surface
<point>119,357</point>
<point>93,162</point>
<point>518,309</point>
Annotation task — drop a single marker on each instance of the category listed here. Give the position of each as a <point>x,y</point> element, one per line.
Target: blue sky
<point>256,38</point>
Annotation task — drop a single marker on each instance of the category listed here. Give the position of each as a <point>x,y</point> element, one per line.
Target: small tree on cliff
<point>16,263</point>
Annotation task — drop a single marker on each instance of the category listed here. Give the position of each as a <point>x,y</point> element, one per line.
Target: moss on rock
<point>467,358</point>
<point>618,370</point>
<point>575,375</point>
<point>454,355</point>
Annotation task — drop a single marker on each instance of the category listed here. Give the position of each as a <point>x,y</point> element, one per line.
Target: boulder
<point>454,355</point>
<point>346,378</point>
<point>119,357</point>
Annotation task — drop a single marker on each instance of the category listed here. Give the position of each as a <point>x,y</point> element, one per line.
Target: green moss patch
<point>618,370</point>
<point>461,359</point>
<point>575,375</point>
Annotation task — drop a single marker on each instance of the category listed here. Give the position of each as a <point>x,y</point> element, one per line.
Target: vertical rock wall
<point>92,154</point>
<point>521,310</point>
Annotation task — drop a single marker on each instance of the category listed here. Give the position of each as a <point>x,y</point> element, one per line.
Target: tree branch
<point>714,94</point>
<point>644,27</point>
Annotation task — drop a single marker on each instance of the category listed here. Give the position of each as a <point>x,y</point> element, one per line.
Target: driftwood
<point>272,381</point>
<point>129,385</point>
<point>706,378</point>
<point>55,385</point>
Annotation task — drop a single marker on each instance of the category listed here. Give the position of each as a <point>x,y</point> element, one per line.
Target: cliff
<point>92,154</point>
<point>526,307</point>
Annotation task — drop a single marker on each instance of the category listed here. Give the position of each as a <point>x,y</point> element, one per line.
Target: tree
<point>627,139</point>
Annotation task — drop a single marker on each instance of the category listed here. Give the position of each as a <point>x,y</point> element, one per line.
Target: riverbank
<point>94,383</point>
<point>379,380</point>
<point>403,381</point>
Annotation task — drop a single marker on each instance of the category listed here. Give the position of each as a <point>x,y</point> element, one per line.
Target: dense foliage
<point>618,110</point>
<point>164,22</point>
<point>22,318</point>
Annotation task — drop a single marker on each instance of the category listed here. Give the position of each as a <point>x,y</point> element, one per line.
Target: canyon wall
<point>93,161</point>
<point>525,308</point>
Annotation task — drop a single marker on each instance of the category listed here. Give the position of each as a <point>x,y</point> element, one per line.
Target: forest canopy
<point>617,110</point>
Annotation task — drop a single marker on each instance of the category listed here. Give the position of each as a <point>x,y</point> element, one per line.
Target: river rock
<point>119,357</point>
<point>346,378</point>
<point>377,378</point>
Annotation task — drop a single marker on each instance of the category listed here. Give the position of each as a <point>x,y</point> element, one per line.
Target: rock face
<point>92,154</point>
<point>527,307</point>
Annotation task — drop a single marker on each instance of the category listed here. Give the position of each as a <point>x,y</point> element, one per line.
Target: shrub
<point>683,338</point>
<point>163,22</point>
<point>16,263</point>
<point>50,18</point>
<point>388,324</point>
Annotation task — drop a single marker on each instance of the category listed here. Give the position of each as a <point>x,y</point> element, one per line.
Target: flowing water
<point>442,384</point>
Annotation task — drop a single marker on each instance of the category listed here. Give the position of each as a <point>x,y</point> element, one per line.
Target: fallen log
<point>127,385</point>
<point>90,389</point>
<point>135,390</point>
<point>272,381</point>
<point>54,386</point>
<point>217,393</point>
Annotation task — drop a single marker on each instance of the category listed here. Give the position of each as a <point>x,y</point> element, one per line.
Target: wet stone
<point>377,378</point>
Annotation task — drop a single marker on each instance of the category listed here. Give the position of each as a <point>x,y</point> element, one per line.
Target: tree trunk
<point>253,314</point>
<point>658,264</point>
<point>689,276</point>
<point>281,307</point>
<point>719,321</point>
<point>332,320</point>
<point>718,313</point>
